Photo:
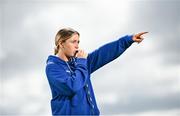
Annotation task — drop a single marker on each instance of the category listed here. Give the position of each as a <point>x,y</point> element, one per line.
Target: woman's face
<point>71,45</point>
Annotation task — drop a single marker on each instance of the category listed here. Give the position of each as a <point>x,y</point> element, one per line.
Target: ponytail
<point>56,49</point>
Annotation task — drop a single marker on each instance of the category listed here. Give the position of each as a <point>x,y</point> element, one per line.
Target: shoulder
<point>53,66</point>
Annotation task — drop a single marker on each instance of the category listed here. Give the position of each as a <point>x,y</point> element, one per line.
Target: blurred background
<point>144,81</point>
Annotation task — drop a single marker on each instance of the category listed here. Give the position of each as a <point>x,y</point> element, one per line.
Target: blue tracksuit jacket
<point>70,82</point>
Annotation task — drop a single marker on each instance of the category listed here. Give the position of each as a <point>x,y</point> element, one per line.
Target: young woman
<point>69,69</point>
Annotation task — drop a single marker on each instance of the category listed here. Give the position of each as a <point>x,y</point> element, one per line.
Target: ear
<point>61,45</point>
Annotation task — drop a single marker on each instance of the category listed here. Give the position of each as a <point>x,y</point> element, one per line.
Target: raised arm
<point>111,51</point>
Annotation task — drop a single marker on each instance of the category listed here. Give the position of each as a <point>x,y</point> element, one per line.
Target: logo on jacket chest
<point>68,71</point>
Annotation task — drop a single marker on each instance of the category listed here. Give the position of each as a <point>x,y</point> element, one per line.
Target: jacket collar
<point>56,59</point>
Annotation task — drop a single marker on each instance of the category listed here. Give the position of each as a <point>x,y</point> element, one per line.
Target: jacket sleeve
<point>65,83</point>
<point>108,52</point>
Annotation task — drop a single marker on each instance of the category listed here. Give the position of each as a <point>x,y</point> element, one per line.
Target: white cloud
<point>107,98</point>
<point>27,93</point>
<point>175,112</point>
<point>139,72</point>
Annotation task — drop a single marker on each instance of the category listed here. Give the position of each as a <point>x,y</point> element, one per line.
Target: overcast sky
<point>145,80</point>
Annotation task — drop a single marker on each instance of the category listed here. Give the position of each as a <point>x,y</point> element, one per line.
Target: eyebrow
<point>75,40</point>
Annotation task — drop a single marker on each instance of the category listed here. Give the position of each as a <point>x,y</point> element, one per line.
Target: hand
<point>81,54</point>
<point>137,37</point>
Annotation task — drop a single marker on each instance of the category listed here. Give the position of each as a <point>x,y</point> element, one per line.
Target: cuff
<point>130,39</point>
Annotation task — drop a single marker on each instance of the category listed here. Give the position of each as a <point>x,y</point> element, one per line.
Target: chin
<point>71,55</point>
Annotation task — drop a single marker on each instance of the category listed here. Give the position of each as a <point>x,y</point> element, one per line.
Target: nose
<point>77,46</point>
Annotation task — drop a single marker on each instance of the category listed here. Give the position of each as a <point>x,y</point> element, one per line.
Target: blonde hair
<point>63,35</point>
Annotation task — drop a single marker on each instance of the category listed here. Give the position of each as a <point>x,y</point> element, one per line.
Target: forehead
<point>74,37</point>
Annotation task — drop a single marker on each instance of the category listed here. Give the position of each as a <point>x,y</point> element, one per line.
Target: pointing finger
<point>142,33</point>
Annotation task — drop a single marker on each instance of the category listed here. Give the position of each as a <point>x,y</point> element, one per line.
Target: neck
<point>62,56</point>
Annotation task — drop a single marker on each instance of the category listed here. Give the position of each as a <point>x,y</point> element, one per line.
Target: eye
<point>75,41</point>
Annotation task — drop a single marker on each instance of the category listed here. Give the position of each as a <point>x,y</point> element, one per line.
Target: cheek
<point>69,48</point>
